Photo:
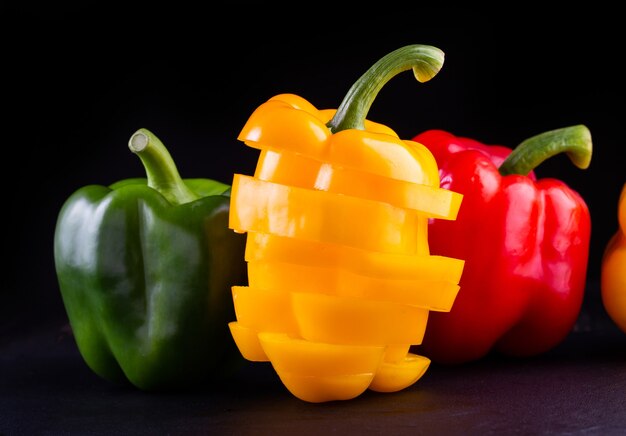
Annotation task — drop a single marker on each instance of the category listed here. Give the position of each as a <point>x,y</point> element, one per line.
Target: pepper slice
<point>424,293</point>
<point>263,246</point>
<point>264,310</point>
<point>296,170</point>
<point>395,376</point>
<point>247,340</point>
<point>354,321</point>
<point>261,206</point>
<point>320,372</point>
<point>374,149</point>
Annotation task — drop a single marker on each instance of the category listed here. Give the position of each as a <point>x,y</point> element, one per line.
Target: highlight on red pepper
<point>525,242</point>
<point>341,281</point>
<point>613,269</point>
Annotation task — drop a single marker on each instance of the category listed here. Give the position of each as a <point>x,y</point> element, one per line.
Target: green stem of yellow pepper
<point>574,140</point>
<point>163,176</point>
<point>424,60</point>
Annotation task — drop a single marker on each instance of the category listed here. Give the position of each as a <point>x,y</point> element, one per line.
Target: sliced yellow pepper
<point>341,280</point>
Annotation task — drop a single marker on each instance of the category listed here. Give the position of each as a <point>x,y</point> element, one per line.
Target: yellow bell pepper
<point>340,276</point>
<point>613,271</point>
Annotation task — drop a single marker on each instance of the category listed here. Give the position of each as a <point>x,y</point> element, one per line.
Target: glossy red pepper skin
<point>525,243</point>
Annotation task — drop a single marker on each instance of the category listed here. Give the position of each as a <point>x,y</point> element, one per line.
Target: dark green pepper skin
<point>147,284</point>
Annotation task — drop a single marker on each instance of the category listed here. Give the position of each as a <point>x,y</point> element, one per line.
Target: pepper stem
<point>425,60</point>
<point>574,140</point>
<point>160,168</point>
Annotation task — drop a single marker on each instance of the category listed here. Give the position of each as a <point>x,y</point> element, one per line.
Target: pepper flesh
<point>145,268</point>
<point>525,243</point>
<point>341,280</point>
<point>613,269</point>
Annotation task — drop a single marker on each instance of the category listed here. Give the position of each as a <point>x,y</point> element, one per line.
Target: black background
<point>78,82</point>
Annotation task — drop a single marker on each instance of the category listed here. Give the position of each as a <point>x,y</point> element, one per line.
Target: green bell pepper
<point>145,269</point>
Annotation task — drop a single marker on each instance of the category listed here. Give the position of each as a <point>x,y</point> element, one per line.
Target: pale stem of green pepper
<point>575,141</point>
<point>424,60</point>
<point>160,168</point>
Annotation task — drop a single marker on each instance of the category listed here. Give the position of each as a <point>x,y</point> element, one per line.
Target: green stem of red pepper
<point>574,140</point>
<point>163,176</point>
<point>425,60</point>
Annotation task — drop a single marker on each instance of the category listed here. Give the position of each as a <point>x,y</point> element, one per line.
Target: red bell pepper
<point>525,243</point>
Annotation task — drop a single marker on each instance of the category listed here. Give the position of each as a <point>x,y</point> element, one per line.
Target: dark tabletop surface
<point>577,388</point>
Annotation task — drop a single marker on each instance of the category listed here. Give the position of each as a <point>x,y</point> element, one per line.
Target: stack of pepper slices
<point>340,277</point>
